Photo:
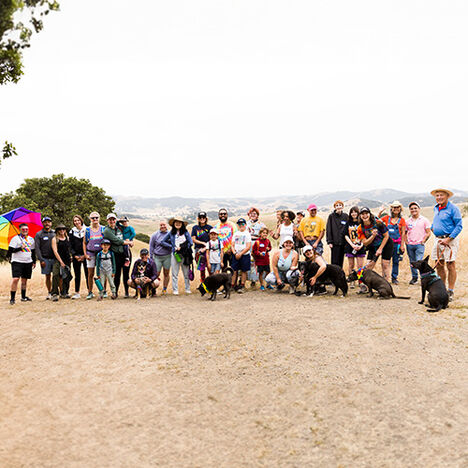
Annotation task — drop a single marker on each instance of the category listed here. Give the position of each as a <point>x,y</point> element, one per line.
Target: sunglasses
<point>94,217</point>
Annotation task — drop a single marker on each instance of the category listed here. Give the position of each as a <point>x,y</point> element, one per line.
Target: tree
<point>59,197</point>
<point>18,20</point>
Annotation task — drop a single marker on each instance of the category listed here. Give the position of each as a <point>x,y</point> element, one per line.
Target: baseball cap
<point>111,215</point>
<point>312,206</point>
<point>202,214</point>
<point>286,239</point>
<point>105,241</point>
<point>364,209</point>
<point>46,218</point>
<point>414,203</point>
<point>306,248</point>
<point>214,231</point>
<point>144,252</point>
<point>241,221</point>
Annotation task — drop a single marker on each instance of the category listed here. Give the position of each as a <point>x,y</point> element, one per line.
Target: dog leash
<point>206,289</point>
<point>440,251</point>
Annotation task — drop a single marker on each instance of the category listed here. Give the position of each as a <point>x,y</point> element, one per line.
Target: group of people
<point>103,254</point>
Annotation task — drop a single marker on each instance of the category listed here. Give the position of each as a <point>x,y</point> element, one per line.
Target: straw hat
<point>396,204</point>
<point>448,192</point>
<point>177,218</point>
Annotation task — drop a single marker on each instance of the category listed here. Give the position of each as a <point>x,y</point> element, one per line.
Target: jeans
<point>287,277</point>
<point>175,267</point>
<point>415,253</point>
<point>395,260</point>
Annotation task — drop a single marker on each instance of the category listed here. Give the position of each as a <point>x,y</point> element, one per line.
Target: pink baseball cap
<point>312,206</point>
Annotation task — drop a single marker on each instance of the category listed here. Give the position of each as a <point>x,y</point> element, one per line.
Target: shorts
<point>21,270</point>
<point>387,251</point>
<point>162,261</point>
<point>214,267</point>
<point>91,263</point>
<point>263,269</point>
<point>242,264</point>
<point>447,253</point>
<point>49,264</point>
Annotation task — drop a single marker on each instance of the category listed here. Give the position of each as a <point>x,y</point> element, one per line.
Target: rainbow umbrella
<point>9,224</point>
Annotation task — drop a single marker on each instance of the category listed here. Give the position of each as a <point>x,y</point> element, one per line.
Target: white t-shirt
<point>286,231</point>
<point>179,240</point>
<point>214,248</point>
<point>26,244</point>
<point>240,239</point>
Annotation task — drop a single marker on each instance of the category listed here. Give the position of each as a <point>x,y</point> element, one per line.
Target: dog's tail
<point>439,307</point>
<point>228,270</point>
<point>402,297</point>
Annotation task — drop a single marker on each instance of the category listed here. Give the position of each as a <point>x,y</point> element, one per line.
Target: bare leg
<point>386,269</point>
<point>441,271</point>
<point>48,282</point>
<point>452,275</point>
<point>90,279</point>
<point>166,277</point>
<point>14,284</point>
<point>350,265</point>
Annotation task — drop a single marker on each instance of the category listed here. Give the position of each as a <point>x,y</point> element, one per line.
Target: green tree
<point>19,19</point>
<point>59,197</point>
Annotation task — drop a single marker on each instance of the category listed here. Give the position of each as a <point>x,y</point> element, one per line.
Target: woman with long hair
<point>76,236</point>
<point>354,248</point>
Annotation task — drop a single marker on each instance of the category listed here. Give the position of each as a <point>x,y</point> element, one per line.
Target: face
<point>177,224</point>
<point>365,216</point>
<point>339,208</point>
<point>60,232</point>
<point>278,214</point>
<point>313,212</point>
<point>223,216</point>
<point>441,198</point>
<point>125,223</point>
<point>105,247</point>
<point>163,226</point>
<point>24,230</point>
<point>263,234</point>
<point>144,257</point>
<point>309,253</point>
<point>47,225</point>
<point>396,210</point>
<point>414,210</point>
<point>288,245</point>
<point>253,215</point>
<point>299,217</point>
<point>354,215</point>
<point>202,220</point>
<point>111,222</point>
<point>94,218</point>
<point>241,227</point>
<point>77,222</point>
<point>286,218</point>
<point>213,236</point>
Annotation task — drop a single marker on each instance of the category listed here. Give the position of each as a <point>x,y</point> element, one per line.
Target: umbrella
<point>9,224</point>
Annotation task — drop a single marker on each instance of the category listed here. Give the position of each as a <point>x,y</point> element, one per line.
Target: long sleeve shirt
<point>43,241</point>
<point>447,221</point>
<point>157,246</point>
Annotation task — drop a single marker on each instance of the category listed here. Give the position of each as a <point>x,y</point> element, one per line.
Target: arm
<point>294,261</point>
<point>246,250</point>
<point>382,245</point>
<point>113,263</point>
<point>37,241</point>
<point>428,234</point>
<point>33,257</point>
<point>132,233</point>
<point>167,242</point>
<point>403,238</point>
<point>457,218</point>
<point>275,267</point>
<point>151,245</point>
<point>108,234</point>
<point>329,232</point>
<point>322,267</point>
<point>276,234</point>
<point>72,243</point>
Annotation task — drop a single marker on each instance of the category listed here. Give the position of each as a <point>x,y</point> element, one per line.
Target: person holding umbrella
<point>22,254</point>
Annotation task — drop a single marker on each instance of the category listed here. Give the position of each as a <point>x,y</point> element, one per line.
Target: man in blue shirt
<point>446,226</point>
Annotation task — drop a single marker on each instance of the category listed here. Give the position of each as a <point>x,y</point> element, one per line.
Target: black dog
<point>437,294</point>
<point>333,274</point>
<point>214,282</point>
<point>374,281</point>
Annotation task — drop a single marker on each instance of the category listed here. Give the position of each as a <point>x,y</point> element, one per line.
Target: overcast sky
<point>244,98</point>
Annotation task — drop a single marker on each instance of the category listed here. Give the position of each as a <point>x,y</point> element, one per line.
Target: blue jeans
<point>395,260</point>
<point>415,253</point>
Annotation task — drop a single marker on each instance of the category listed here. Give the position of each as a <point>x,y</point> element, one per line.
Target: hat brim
<point>173,220</point>
<point>448,192</point>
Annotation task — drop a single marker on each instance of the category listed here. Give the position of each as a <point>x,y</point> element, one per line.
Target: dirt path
<point>264,379</point>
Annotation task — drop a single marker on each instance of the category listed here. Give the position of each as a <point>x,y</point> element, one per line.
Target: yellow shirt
<point>312,226</point>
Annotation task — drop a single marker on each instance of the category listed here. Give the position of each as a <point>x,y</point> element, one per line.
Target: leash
<point>206,289</point>
<point>440,251</point>
<point>429,274</point>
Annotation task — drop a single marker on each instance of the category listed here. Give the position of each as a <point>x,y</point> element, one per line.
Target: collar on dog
<point>360,273</point>
<point>205,288</point>
<point>434,275</point>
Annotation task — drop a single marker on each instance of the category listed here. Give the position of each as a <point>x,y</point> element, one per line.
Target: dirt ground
<point>264,379</point>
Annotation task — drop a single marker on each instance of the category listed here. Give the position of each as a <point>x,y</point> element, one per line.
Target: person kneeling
<point>284,264</point>
<point>144,276</point>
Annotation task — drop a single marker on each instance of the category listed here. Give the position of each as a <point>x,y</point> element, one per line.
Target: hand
<point>131,244</point>
<point>222,265</point>
<point>42,264</point>
<point>98,277</point>
<point>279,282</point>
<point>375,232</point>
<point>87,257</point>
<point>62,264</point>
<point>34,265</point>
<point>263,254</point>
<point>402,250</point>
<point>315,245</point>
<point>379,252</point>
<point>126,242</point>
<point>238,256</point>
<point>330,245</point>
<point>177,249</point>
<point>312,280</point>
<point>444,241</point>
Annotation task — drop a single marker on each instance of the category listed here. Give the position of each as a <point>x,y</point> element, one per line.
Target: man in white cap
<point>446,226</point>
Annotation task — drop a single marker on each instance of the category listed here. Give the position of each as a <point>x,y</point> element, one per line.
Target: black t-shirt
<point>201,233</point>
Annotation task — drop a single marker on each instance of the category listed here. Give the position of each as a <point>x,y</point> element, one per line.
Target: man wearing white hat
<point>446,226</point>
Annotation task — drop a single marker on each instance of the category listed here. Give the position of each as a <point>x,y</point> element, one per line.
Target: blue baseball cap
<point>241,221</point>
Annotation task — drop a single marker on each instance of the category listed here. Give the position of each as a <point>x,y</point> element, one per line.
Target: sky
<point>243,97</point>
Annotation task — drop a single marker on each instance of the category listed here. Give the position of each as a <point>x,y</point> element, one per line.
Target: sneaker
<point>76,296</point>
<point>100,298</point>
<point>395,281</point>
<point>12,302</point>
<point>55,298</point>
<point>270,287</point>
<point>49,296</point>
<point>164,291</point>
<point>104,294</point>
<point>450,294</point>
<point>352,285</point>
<point>187,291</point>
<point>26,299</point>
<point>291,289</point>
<point>262,288</point>
<point>65,296</point>
<point>175,293</point>
<point>413,281</point>
<point>114,296</point>
<point>127,296</point>
<point>89,296</point>
<point>241,290</point>
<point>253,284</point>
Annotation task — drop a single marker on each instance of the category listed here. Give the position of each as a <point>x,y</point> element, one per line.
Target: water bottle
<point>99,284</point>
<point>177,257</point>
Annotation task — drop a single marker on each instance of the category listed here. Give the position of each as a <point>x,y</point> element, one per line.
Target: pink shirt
<point>416,229</point>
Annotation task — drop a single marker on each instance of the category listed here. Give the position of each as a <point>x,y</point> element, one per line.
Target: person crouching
<point>144,275</point>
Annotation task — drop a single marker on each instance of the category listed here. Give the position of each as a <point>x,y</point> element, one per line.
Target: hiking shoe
<point>65,296</point>
<point>450,294</point>
<point>413,281</point>
<point>104,294</point>
<point>395,281</point>
<point>240,290</point>
<point>262,288</point>
<point>291,289</point>
<point>76,296</point>
<point>12,302</point>
<point>270,287</point>
<point>280,287</point>
<point>49,296</point>
<point>89,296</point>
<point>127,296</point>
<point>26,299</point>
<point>114,296</point>
<point>187,291</point>
<point>164,291</point>
<point>175,293</point>
<point>55,298</point>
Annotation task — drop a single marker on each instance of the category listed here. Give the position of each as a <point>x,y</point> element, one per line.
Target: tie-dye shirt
<point>225,232</point>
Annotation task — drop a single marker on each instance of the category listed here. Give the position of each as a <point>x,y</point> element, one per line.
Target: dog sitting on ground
<point>374,282</point>
<point>213,282</point>
<point>333,274</point>
<point>437,294</point>
<point>142,289</point>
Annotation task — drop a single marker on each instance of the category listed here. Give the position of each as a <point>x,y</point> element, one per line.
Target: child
<point>240,248</point>
<point>215,253</point>
<point>105,268</point>
<point>261,256</point>
<point>129,233</point>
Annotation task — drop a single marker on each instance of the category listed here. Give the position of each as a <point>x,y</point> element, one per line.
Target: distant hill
<point>188,207</point>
